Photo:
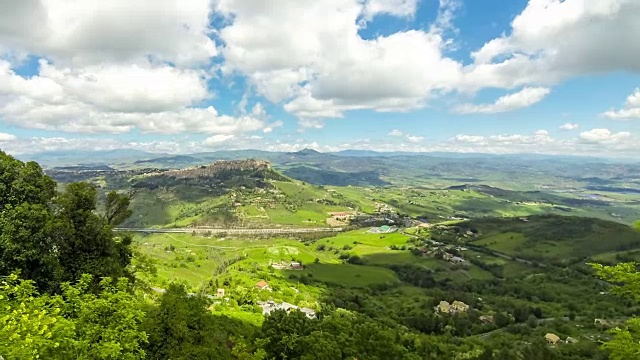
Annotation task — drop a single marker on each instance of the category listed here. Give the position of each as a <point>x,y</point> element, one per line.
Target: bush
<point>356,260</point>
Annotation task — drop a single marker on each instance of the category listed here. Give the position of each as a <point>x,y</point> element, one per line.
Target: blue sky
<point>498,76</point>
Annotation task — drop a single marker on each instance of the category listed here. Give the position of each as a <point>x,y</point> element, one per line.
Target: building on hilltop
<point>262,285</point>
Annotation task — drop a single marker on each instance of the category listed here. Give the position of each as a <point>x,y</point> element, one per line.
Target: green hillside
<point>550,237</point>
<point>231,193</point>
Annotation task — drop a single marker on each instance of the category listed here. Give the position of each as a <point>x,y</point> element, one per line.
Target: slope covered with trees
<point>71,288</point>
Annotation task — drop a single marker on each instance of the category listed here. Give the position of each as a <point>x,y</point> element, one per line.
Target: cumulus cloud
<point>521,99</point>
<point>4,137</point>
<point>630,110</point>
<point>273,125</point>
<point>395,132</point>
<point>218,139</point>
<point>400,8</point>
<point>539,137</point>
<point>116,98</point>
<point>397,72</point>
<point>91,32</point>
<point>414,139</point>
<point>604,136</point>
<point>552,40</point>
<point>569,126</point>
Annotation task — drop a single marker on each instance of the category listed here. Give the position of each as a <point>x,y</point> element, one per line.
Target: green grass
<point>348,275</point>
<point>508,242</point>
<point>553,237</point>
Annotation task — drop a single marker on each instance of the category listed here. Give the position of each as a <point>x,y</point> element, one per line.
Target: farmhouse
<point>444,307</point>
<point>296,265</point>
<point>269,306</point>
<point>459,306</point>
<point>455,307</point>
<point>552,339</point>
<point>220,293</point>
<point>262,285</point>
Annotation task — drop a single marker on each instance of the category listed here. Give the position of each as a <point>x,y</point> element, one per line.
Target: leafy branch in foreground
<point>626,284</point>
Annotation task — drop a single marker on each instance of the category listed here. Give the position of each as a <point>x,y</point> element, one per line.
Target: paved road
<point>235,231</point>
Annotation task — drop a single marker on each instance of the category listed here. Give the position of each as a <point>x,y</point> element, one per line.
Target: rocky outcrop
<point>218,167</point>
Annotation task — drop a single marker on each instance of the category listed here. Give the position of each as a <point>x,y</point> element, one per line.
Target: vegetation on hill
<point>560,239</point>
<point>485,288</point>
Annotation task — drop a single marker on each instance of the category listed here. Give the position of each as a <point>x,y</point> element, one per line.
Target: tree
<point>117,208</point>
<point>282,332</point>
<point>75,325</point>
<point>51,238</point>
<point>636,225</point>
<point>31,326</point>
<point>626,341</point>
<point>107,324</point>
<point>180,327</point>
<point>85,241</point>
<point>26,244</point>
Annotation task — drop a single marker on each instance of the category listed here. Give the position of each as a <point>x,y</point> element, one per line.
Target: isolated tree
<point>117,208</point>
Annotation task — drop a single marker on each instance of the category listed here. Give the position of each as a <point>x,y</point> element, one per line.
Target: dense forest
<point>72,288</point>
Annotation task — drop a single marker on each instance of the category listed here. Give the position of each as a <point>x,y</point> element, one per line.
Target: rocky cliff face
<point>218,167</point>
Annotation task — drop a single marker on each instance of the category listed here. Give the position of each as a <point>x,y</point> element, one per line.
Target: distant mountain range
<point>127,156</point>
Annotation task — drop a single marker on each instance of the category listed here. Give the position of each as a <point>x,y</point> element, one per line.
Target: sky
<point>184,76</point>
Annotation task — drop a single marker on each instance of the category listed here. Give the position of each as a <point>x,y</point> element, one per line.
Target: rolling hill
<point>548,238</point>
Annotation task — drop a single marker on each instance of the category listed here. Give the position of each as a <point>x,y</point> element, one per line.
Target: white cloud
<point>400,8</point>
<point>4,137</point>
<point>414,139</point>
<point>468,138</point>
<point>395,132</point>
<point>115,99</point>
<point>273,125</point>
<point>552,40</point>
<point>84,32</point>
<point>539,137</point>
<point>398,72</point>
<point>631,108</point>
<point>604,136</point>
<point>569,126</point>
<point>521,99</point>
<point>218,139</point>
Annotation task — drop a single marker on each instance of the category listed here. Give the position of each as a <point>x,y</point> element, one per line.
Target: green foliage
<point>117,208</point>
<point>31,327</point>
<point>340,335</point>
<point>75,325</point>
<point>88,245</point>
<point>626,341</point>
<point>180,327</point>
<point>55,239</point>
<point>636,225</point>
<point>108,322</point>
<point>551,238</point>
